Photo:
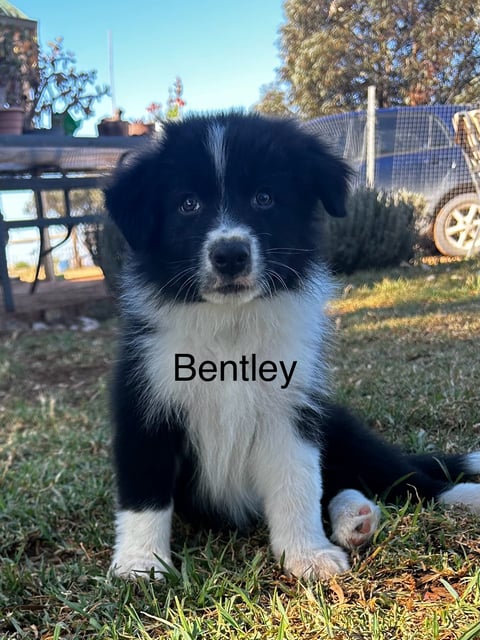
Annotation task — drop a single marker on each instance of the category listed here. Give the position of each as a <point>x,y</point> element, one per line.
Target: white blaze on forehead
<point>216,146</point>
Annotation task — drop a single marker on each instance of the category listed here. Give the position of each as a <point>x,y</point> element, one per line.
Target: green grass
<point>406,358</point>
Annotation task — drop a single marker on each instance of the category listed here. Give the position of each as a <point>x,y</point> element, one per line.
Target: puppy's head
<point>222,208</point>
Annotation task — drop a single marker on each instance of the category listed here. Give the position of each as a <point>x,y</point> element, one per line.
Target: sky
<point>222,50</point>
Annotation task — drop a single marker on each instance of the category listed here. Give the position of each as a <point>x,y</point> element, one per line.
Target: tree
<point>413,51</point>
<point>272,100</point>
<point>61,88</point>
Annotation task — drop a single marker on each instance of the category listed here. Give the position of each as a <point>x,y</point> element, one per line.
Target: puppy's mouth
<point>240,290</point>
<point>231,289</point>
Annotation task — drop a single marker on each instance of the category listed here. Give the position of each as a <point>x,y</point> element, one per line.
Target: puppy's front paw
<point>322,563</point>
<point>133,567</point>
<point>354,518</point>
<point>142,545</point>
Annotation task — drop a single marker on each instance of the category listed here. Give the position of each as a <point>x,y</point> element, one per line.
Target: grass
<point>406,358</point>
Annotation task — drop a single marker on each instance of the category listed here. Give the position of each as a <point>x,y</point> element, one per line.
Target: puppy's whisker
<point>184,261</point>
<point>267,286</point>
<point>288,250</point>
<point>286,266</point>
<point>189,282</point>
<point>274,274</point>
<point>177,277</point>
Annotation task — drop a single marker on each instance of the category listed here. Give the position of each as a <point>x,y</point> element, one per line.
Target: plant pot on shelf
<point>112,128</point>
<point>11,121</point>
<point>140,129</point>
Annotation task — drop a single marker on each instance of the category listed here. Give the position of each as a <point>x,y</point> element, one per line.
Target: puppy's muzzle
<point>231,258</point>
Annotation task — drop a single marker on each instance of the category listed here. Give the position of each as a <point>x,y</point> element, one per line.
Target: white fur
<point>466,494</point>
<point>217,148</point>
<point>288,478</point>
<point>354,518</point>
<point>209,279</point>
<point>226,418</point>
<point>472,463</point>
<point>251,458</point>
<point>142,543</point>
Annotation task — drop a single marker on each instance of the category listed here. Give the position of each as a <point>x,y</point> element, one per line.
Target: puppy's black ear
<point>329,178</point>
<point>129,201</point>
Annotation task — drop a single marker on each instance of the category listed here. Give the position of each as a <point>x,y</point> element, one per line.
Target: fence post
<point>370,137</point>
<point>4,277</point>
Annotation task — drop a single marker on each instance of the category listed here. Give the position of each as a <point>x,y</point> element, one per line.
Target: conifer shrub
<point>379,231</point>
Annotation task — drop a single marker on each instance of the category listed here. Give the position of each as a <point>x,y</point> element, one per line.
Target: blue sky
<point>223,51</point>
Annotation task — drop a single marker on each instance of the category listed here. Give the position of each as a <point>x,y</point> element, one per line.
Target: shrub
<point>108,249</point>
<point>379,231</point>
<point>424,220</point>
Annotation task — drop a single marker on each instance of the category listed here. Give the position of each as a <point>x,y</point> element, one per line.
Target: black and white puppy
<point>220,400</point>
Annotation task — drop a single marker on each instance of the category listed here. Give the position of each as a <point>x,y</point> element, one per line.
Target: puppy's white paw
<point>142,545</point>
<point>354,518</point>
<point>319,563</point>
<point>133,567</point>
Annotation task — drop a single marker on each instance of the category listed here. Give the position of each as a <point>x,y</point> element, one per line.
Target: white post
<point>370,137</point>
<point>110,71</point>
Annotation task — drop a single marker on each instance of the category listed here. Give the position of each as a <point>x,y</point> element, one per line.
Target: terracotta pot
<point>140,129</point>
<point>112,128</point>
<point>11,121</point>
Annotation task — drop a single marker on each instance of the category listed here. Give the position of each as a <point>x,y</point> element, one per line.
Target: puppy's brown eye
<point>263,200</point>
<point>189,205</point>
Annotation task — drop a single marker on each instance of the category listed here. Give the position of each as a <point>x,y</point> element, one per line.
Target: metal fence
<point>417,150</point>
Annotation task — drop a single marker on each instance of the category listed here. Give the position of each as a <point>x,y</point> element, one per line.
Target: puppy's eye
<point>263,200</point>
<point>189,205</point>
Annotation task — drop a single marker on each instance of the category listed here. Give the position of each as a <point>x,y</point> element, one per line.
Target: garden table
<point>40,162</point>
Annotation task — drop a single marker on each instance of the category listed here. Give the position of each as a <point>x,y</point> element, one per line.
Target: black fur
<point>168,203</point>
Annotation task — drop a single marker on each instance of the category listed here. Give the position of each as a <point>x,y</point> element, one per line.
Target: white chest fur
<point>235,424</point>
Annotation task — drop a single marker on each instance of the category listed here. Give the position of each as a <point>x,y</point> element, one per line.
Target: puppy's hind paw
<point>354,519</point>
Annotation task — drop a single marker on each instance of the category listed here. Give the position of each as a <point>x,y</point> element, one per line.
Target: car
<point>415,151</point>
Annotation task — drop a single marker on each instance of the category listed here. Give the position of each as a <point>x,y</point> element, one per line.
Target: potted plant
<point>62,96</point>
<point>175,102</point>
<point>174,110</point>
<point>12,103</point>
<point>114,125</point>
<point>139,127</point>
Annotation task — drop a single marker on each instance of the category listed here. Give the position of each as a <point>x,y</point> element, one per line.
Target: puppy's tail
<point>450,468</point>
<point>453,469</point>
<point>356,458</point>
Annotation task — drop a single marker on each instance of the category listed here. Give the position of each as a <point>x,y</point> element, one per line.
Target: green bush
<point>379,231</point>
<point>424,219</point>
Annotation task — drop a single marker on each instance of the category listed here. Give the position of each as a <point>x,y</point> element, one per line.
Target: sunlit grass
<point>406,358</point>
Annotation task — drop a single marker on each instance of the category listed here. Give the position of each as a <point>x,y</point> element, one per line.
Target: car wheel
<point>456,226</point>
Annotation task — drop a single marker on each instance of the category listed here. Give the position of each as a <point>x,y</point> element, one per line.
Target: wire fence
<point>418,150</point>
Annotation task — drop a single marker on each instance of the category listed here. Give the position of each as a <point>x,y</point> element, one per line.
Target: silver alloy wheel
<point>456,226</point>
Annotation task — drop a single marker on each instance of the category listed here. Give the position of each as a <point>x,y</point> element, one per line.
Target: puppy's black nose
<point>231,257</point>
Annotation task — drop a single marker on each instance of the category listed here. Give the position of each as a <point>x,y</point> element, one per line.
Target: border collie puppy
<point>221,392</point>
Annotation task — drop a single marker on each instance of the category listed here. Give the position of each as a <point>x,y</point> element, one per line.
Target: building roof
<point>7,9</point>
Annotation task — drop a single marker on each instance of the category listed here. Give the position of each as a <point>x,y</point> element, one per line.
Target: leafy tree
<point>61,87</point>
<point>272,100</point>
<point>413,51</point>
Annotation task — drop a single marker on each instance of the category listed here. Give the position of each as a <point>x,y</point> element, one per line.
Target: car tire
<point>456,225</point>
